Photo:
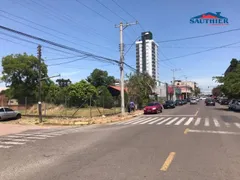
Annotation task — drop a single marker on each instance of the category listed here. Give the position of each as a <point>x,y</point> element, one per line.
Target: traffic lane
<point>102,153</point>
<point>207,156</point>
<point>26,159</point>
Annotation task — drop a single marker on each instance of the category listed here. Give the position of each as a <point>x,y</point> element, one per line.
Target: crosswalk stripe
<point>13,143</point>
<point>189,121</point>
<point>216,122</point>
<point>35,138</point>
<point>180,121</point>
<point>13,136</point>
<point>206,122</point>
<point>197,122</point>
<point>227,124</point>
<point>12,139</point>
<point>156,121</point>
<point>237,124</point>
<point>144,122</point>
<point>37,135</point>
<point>5,147</point>
<point>163,121</point>
<point>136,122</point>
<point>172,121</point>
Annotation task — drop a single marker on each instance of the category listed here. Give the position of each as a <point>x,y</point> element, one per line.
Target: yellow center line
<point>168,161</point>
<point>186,131</point>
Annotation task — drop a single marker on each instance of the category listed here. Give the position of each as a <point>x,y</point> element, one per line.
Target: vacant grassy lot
<point>54,110</point>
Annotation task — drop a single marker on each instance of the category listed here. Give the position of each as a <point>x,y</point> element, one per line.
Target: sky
<point>89,25</point>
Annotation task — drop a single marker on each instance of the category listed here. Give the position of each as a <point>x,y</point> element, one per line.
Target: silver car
<point>193,101</point>
<point>8,113</point>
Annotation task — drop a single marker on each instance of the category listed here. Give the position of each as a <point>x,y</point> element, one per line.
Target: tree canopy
<point>230,82</point>
<point>20,73</point>
<point>100,78</point>
<point>140,86</point>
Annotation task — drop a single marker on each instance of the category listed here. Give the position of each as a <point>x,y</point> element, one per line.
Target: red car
<point>153,107</point>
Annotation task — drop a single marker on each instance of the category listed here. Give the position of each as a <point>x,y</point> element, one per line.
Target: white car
<point>8,113</point>
<point>193,101</point>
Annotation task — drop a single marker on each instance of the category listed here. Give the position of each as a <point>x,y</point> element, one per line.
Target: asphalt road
<point>192,142</point>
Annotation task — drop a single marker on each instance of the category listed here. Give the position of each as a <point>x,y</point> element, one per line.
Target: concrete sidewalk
<point>13,128</point>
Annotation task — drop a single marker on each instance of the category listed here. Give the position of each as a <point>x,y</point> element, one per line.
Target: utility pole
<point>121,27</point>
<point>186,86</point>
<point>173,83</point>
<point>39,49</point>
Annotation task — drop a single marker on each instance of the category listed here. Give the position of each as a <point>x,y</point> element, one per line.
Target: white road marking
<point>189,121</point>
<point>127,122</point>
<point>197,122</point>
<point>156,120</point>
<point>12,136</point>
<point>172,121</point>
<point>216,122</point>
<point>35,138</point>
<point>14,143</point>
<point>227,124</point>
<point>237,124</point>
<point>18,140</point>
<point>144,122</point>
<point>206,122</point>
<point>5,147</point>
<point>136,122</point>
<point>214,132</point>
<point>180,121</point>
<point>163,121</point>
<point>37,135</point>
<point>196,112</point>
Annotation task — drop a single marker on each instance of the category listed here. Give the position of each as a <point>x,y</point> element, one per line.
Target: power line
<point>95,11</point>
<point>54,30</point>
<point>131,46</point>
<point>56,44</point>
<point>128,13</point>
<point>46,32</point>
<point>66,19</point>
<point>199,36</point>
<point>199,52</point>
<point>31,42</point>
<point>111,10</point>
<point>68,61</point>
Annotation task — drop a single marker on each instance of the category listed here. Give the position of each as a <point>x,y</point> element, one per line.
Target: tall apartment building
<point>147,55</point>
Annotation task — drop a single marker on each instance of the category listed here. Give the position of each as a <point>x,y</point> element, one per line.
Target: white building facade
<point>147,56</point>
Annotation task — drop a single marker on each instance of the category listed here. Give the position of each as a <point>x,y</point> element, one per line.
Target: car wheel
<point>18,116</point>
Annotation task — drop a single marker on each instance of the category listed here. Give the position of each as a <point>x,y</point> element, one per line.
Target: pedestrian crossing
<point>177,121</point>
<point>11,140</point>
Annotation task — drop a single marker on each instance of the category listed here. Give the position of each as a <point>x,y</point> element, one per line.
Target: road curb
<point>90,122</point>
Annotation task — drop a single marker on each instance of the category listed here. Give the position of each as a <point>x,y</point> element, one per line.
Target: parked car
<point>231,104</point>
<point>224,101</point>
<point>8,113</point>
<point>153,108</point>
<point>210,102</point>
<point>184,101</point>
<point>234,105</point>
<point>169,104</point>
<point>193,101</point>
<point>178,103</point>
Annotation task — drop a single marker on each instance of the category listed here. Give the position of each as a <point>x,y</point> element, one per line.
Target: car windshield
<point>152,104</point>
<point>193,99</point>
<point>169,102</point>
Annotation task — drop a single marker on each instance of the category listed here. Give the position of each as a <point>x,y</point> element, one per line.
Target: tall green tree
<point>217,91</point>
<point>230,83</point>
<point>20,73</point>
<point>140,86</point>
<point>105,98</point>
<point>197,91</point>
<point>81,92</point>
<point>100,78</point>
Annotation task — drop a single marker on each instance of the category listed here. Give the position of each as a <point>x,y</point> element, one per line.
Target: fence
<point>91,107</point>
